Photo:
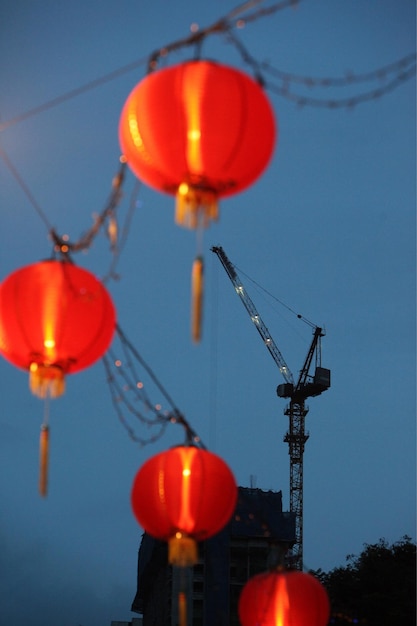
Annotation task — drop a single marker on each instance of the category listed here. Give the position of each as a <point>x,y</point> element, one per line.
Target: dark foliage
<point>376,588</point>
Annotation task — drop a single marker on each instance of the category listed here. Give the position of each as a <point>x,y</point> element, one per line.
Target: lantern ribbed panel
<point>198,122</point>
<point>185,489</point>
<point>284,597</point>
<point>54,313</point>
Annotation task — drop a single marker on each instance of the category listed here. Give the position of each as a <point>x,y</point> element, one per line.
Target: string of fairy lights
<point>125,369</point>
<point>127,387</point>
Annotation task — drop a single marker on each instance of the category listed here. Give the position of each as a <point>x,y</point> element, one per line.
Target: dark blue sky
<point>329,230</point>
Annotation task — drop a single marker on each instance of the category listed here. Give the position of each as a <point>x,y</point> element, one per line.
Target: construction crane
<point>307,385</point>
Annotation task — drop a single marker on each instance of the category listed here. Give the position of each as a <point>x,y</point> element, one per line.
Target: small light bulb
<point>194,135</point>
<point>183,189</point>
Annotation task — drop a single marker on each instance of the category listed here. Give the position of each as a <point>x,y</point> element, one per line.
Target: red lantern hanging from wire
<point>200,131</point>
<point>55,319</point>
<point>284,597</point>
<point>182,496</point>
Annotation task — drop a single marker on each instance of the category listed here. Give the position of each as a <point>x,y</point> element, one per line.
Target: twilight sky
<point>328,230</point>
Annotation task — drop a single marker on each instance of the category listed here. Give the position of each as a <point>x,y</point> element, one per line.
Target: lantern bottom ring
<point>182,550</point>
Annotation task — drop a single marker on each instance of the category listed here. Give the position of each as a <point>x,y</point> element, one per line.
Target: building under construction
<point>242,549</point>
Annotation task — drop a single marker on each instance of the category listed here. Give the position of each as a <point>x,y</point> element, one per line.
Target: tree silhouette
<point>376,588</point>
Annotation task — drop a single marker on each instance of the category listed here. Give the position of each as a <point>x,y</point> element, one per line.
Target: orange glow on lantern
<point>185,519</point>
<point>284,598</point>
<point>281,602</point>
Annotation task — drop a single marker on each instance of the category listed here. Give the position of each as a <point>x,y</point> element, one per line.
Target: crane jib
<point>254,315</point>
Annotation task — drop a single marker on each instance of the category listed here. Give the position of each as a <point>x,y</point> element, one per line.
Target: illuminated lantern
<point>284,597</point>
<point>182,496</point>
<point>200,131</point>
<point>55,319</point>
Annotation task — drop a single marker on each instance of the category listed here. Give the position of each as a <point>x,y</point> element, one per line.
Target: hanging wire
<point>108,213</point>
<point>405,70</point>
<point>73,93</point>
<point>342,81</point>
<point>107,217</point>
<point>243,7</point>
<point>247,58</point>
<point>128,378</point>
<point>125,230</point>
<point>274,8</point>
<point>223,25</point>
<point>25,189</point>
<point>121,404</point>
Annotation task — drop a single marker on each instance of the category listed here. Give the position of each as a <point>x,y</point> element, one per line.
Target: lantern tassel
<point>46,381</point>
<point>195,206</point>
<point>43,460</point>
<point>182,608</point>
<point>182,555</point>
<point>182,576</point>
<point>197,290</point>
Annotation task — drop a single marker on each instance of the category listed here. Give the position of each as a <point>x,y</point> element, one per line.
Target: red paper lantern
<point>182,496</point>
<point>200,131</point>
<point>55,319</point>
<point>285,598</point>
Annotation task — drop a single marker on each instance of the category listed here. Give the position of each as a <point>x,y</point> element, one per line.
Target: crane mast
<point>307,385</point>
